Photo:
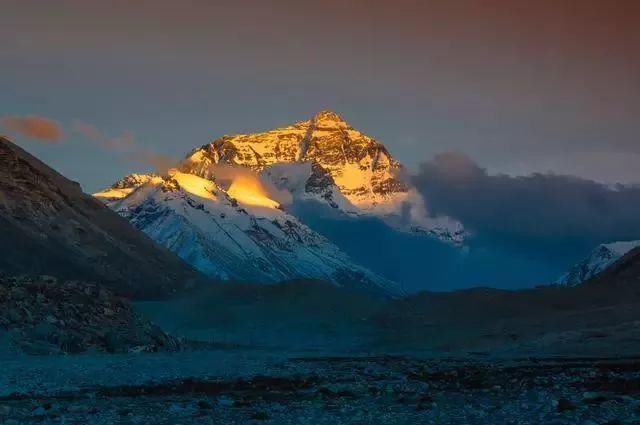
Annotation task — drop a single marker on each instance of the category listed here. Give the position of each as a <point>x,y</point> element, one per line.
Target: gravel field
<point>236,386</point>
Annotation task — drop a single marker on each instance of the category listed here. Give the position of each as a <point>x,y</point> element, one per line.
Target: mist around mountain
<point>418,261</point>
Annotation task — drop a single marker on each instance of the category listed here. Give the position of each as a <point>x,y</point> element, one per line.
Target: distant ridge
<point>598,260</point>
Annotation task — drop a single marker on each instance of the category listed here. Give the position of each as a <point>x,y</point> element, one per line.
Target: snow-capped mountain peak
<point>238,233</point>
<point>598,260</point>
<point>346,168</point>
<point>361,167</point>
<point>223,209</point>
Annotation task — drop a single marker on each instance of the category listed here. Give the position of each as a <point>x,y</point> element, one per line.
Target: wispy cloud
<point>125,145</point>
<point>35,127</point>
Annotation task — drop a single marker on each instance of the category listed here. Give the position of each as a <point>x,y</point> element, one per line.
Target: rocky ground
<point>44,316</point>
<point>128,371</point>
<point>333,390</point>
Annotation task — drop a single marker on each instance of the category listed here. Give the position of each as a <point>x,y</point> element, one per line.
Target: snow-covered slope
<point>123,187</point>
<point>236,234</point>
<point>599,259</point>
<point>326,159</point>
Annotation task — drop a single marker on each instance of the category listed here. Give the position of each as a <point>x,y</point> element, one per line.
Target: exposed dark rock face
<point>321,182</point>
<point>45,316</point>
<point>49,226</point>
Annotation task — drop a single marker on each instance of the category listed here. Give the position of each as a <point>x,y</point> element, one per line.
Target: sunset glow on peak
<point>249,190</point>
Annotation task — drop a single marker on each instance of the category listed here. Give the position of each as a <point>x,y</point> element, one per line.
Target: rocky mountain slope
<point>236,234</point>
<point>49,226</point>
<point>325,158</point>
<point>597,261</point>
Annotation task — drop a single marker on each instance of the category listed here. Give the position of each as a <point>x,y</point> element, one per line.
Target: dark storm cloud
<point>544,207</point>
<point>34,127</point>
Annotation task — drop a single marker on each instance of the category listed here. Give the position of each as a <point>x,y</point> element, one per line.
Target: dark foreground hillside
<point>49,226</point>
